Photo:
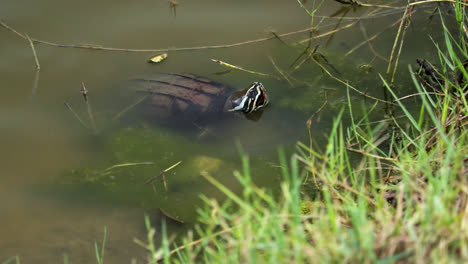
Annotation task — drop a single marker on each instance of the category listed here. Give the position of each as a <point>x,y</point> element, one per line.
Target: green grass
<point>406,200</point>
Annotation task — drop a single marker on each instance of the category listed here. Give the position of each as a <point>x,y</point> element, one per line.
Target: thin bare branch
<point>75,114</point>
<point>284,75</point>
<point>38,66</point>
<point>348,85</point>
<point>242,69</point>
<point>94,47</point>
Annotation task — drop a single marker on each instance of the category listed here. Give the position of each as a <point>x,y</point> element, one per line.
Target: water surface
<point>56,193</point>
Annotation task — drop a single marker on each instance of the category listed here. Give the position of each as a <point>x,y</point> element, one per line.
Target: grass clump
<point>406,200</point>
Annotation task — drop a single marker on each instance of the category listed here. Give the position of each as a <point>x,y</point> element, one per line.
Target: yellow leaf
<point>158,58</point>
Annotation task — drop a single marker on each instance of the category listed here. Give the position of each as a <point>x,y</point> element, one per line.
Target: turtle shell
<point>182,97</point>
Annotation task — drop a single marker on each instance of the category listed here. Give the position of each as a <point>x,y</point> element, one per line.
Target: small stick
<point>75,114</point>
<point>416,94</point>
<point>349,2</point>
<point>309,121</point>
<point>309,124</point>
<point>279,38</point>
<point>348,85</point>
<point>364,153</point>
<point>128,108</point>
<point>93,47</point>
<point>152,179</point>
<point>173,5</point>
<point>128,165</point>
<point>12,29</point>
<point>35,84</point>
<point>281,72</point>
<point>164,181</point>
<point>84,91</point>
<point>369,43</point>
<point>400,48</point>
<point>434,1</point>
<point>396,41</point>
<point>38,66</point>
<point>329,32</point>
<point>244,70</point>
<point>306,58</point>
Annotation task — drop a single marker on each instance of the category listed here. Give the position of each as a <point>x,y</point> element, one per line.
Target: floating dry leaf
<point>158,58</point>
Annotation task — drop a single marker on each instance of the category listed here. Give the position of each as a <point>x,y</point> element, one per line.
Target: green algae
<point>138,154</point>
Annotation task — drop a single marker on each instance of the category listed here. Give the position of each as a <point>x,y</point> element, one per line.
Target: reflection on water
<point>57,189</point>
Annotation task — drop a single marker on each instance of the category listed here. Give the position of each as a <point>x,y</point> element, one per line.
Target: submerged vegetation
<point>405,201</point>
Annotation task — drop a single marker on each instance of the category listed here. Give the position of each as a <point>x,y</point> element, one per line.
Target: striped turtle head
<point>250,99</point>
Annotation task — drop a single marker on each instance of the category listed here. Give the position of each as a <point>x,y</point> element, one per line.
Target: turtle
<point>190,100</point>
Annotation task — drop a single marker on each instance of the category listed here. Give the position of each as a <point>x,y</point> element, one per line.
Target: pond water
<point>63,180</point>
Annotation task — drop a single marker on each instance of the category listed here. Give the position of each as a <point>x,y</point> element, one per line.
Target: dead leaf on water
<point>158,58</point>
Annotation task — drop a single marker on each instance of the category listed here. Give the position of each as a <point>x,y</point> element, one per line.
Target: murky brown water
<point>44,217</point>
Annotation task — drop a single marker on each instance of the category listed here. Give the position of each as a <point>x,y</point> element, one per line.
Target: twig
<point>381,6</point>
<point>348,85</point>
<point>348,2</point>
<point>92,47</point>
<point>309,121</point>
<point>75,114</point>
<point>350,189</point>
<point>369,43</point>
<point>84,91</point>
<point>281,72</point>
<point>12,30</point>
<point>416,94</point>
<point>401,47</point>
<point>307,54</point>
<point>162,174</point>
<point>329,32</point>
<point>38,66</point>
<point>128,165</point>
<point>128,108</point>
<point>395,43</point>
<point>244,70</point>
<point>364,153</point>
<point>35,84</point>
<point>371,15</point>
<point>434,1</point>
<point>279,38</point>
<point>309,124</point>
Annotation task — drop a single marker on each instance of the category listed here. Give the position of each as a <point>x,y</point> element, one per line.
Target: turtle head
<point>250,99</point>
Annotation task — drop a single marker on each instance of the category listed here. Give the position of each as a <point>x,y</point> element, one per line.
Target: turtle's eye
<point>253,92</point>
